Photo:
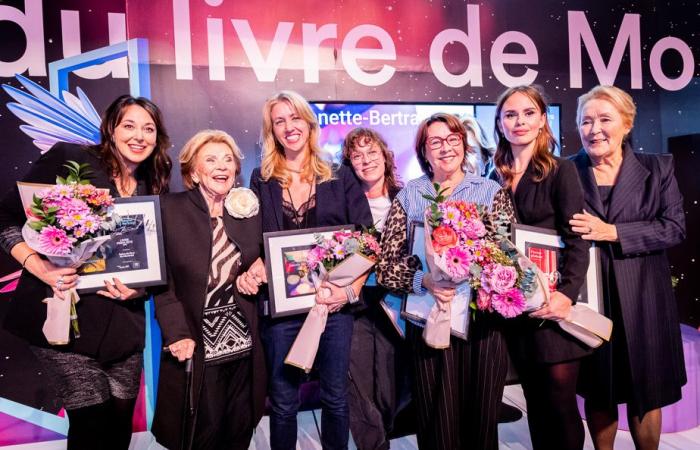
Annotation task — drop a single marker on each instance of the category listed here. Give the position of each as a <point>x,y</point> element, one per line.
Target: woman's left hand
<point>337,298</point>
<point>591,228</point>
<point>120,291</point>
<point>558,308</point>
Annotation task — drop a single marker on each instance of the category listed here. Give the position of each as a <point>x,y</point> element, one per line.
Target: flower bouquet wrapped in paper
<point>458,250</point>
<point>67,223</point>
<point>340,260</point>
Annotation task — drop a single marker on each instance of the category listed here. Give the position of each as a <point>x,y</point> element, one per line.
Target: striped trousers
<point>458,391</point>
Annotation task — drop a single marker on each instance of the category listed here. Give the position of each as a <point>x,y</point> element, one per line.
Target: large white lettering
<point>499,58</point>
<point>32,24</point>
<point>265,68</point>
<point>350,54</point>
<point>671,43</point>
<point>580,32</point>
<point>471,41</point>
<point>70,36</point>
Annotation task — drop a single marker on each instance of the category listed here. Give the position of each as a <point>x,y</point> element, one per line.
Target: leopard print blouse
<point>396,269</point>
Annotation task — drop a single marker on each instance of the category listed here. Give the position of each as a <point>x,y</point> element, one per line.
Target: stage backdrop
<point>212,63</point>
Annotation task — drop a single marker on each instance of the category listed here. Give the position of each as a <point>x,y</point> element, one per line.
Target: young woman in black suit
<point>298,189</point>
<point>97,376</point>
<point>546,193</point>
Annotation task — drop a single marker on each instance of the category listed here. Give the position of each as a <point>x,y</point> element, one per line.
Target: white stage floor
<point>512,435</point>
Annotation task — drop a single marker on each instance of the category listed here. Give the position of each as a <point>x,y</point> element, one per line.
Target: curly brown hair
<point>392,183</point>
<point>156,168</point>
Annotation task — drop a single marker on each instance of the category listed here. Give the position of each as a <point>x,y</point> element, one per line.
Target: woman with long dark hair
<point>546,193</point>
<point>96,376</point>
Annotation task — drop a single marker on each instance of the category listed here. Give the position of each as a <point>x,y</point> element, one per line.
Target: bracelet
<point>352,297</point>
<point>24,263</point>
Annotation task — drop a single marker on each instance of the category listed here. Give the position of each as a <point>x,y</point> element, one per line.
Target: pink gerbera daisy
<point>55,241</point>
<point>510,304</point>
<point>457,262</point>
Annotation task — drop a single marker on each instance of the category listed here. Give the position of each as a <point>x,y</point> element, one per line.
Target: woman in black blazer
<point>212,234</point>
<point>97,376</point>
<point>634,212</point>
<point>297,190</point>
<point>379,387</point>
<point>546,193</point>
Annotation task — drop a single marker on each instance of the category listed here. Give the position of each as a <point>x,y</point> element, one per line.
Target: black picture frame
<point>135,252</point>
<point>289,284</point>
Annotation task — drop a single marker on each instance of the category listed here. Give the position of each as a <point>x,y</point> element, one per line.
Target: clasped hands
<point>248,283</point>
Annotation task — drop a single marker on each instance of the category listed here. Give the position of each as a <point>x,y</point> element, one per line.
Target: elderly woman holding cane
<point>457,390</point>
<point>633,212</point>
<point>212,234</point>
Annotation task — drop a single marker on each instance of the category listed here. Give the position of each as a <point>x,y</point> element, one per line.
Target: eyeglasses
<point>358,157</point>
<point>436,142</point>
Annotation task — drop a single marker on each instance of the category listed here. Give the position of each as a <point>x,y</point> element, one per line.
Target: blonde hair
<point>542,159</point>
<point>188,154</point>
<point>482,150</point>
<point>273,163</point>
<point>620,99</point>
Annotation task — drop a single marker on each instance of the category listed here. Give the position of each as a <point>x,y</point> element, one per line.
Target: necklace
<point>125,190</point>
<point>289,169</point>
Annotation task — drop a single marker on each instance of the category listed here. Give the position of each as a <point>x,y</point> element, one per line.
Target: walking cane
<point>188,410</point>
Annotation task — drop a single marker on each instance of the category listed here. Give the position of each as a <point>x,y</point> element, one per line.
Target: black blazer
<point>179,308</point>
<point>339,201</point>
<point>550,204</point>
<point>646,207</point>
<point>110,330</point>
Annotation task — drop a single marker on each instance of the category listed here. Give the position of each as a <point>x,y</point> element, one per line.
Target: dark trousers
<point>379,381</point>
<point>457,391</point>
<point>332,361</point>
<point>225,411</point>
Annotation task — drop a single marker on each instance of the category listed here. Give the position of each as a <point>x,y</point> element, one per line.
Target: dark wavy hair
<point>392,183</point>
<point>455,126</point>
<point>542,159</point>
<point>155,170</point>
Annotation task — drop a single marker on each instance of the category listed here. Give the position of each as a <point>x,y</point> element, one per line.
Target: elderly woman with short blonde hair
<point>212,235</point>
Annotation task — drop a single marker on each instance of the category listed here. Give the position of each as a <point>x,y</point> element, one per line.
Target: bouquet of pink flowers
<point>339,259</point>
<point>457,250</point>
<point>342,248</point>
<point>67,222</point>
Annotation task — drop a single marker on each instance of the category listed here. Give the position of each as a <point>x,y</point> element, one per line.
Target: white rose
<point>241,203</point>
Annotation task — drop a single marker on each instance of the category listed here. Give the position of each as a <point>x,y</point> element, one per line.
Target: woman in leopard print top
<point>457,390</point>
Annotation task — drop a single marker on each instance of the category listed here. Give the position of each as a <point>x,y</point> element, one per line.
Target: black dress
<point>110,330</point>
<point>550,204</point>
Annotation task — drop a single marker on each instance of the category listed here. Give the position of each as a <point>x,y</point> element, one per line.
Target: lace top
<point>302,217</point>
